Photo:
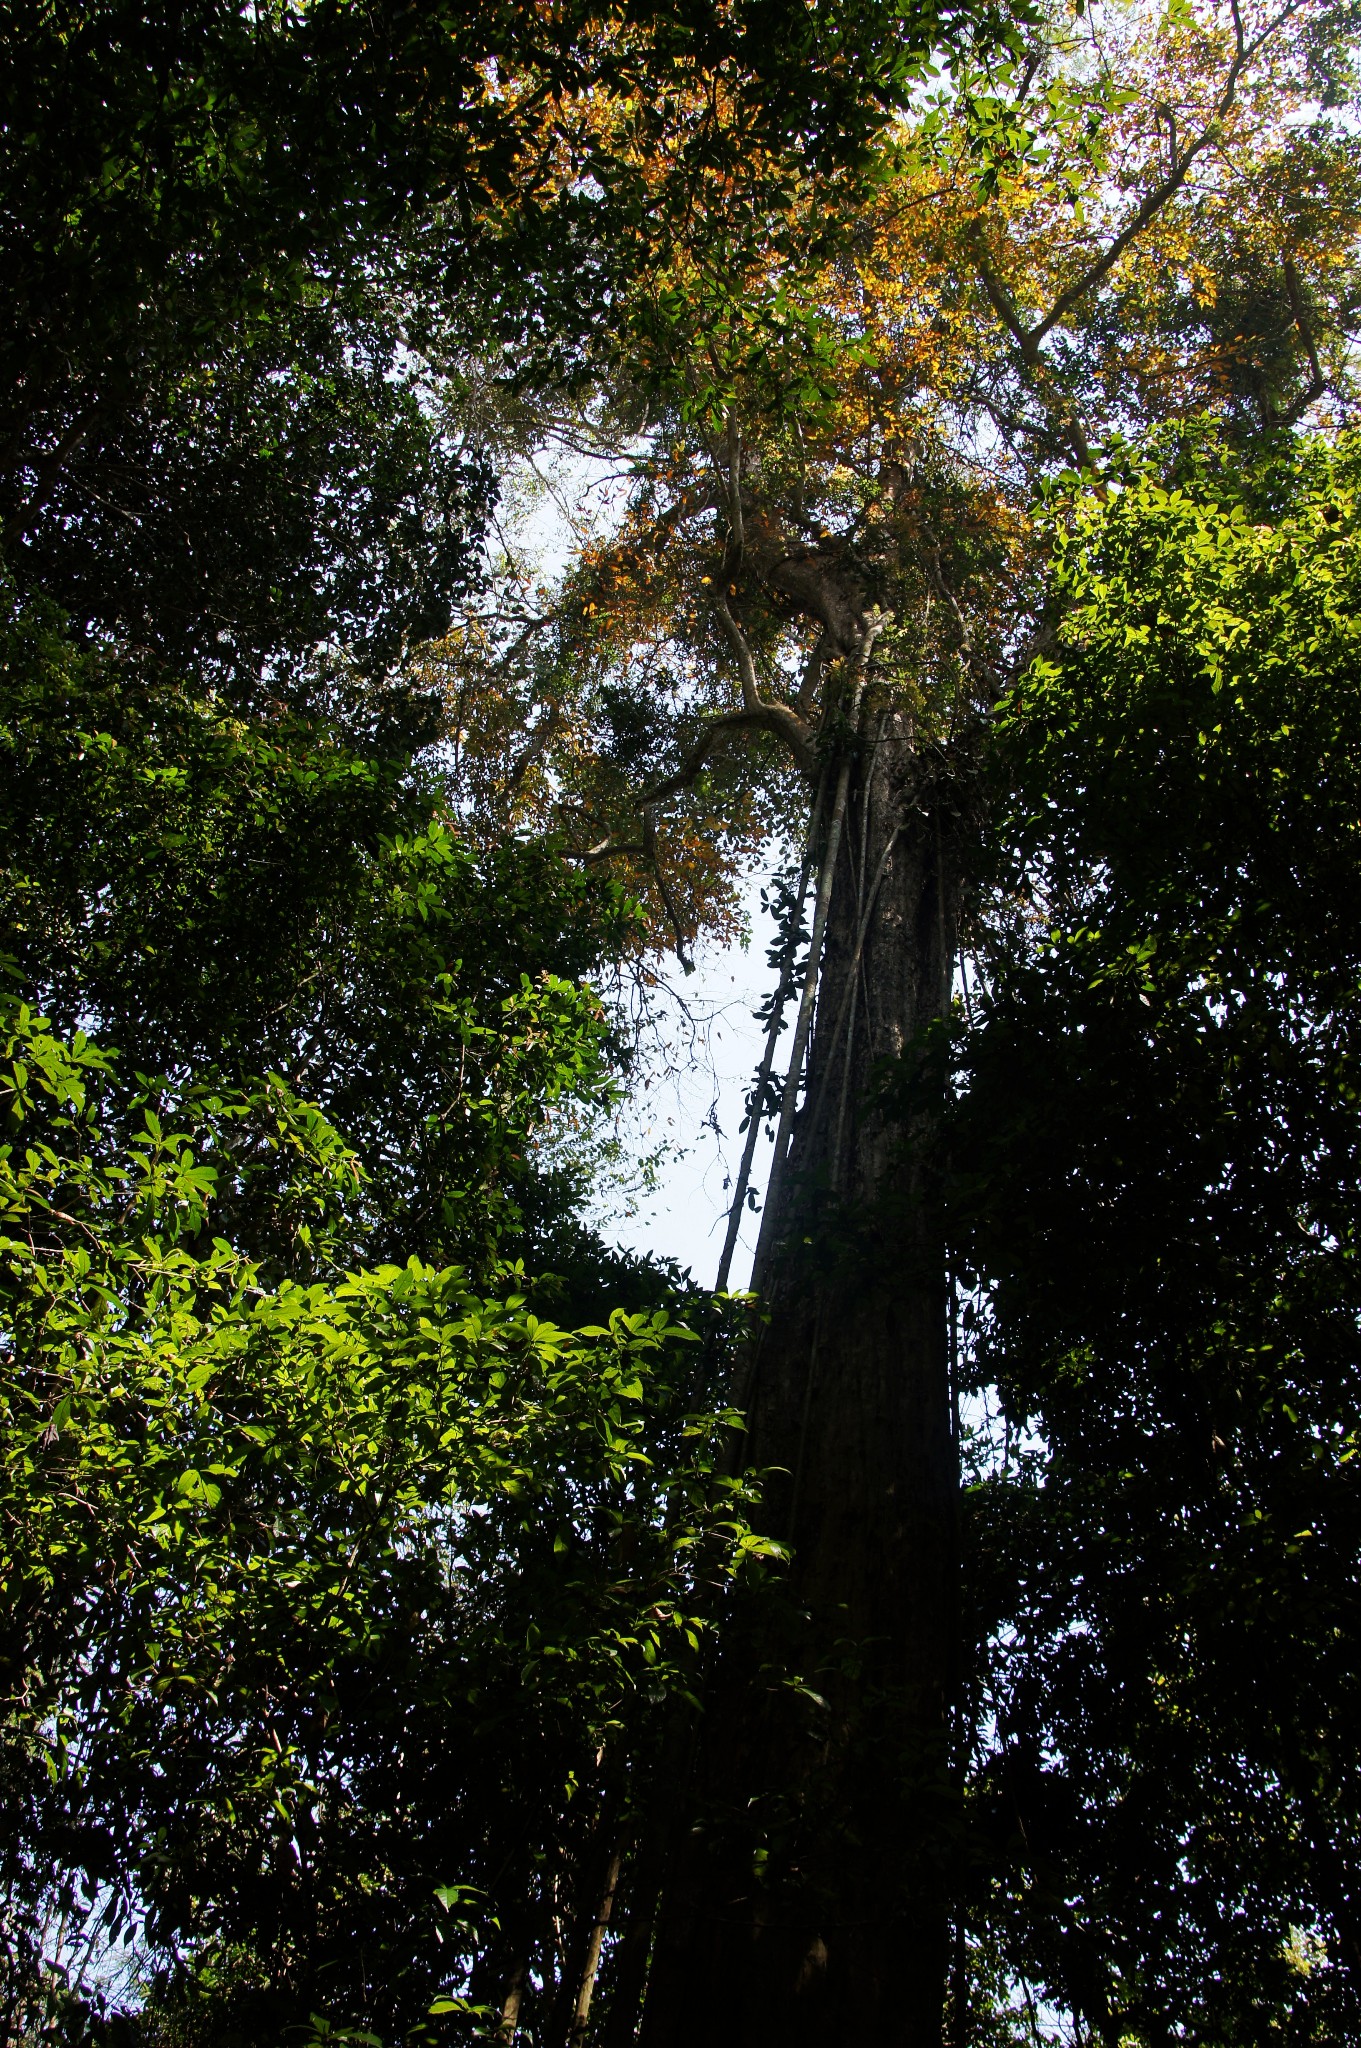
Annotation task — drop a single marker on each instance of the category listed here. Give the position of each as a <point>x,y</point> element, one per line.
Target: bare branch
<point>1157,199</point>
<point>778,718</point>
<point>1318,382</point>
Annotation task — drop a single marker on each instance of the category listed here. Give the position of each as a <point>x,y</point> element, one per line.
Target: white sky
<point>696,1113</point>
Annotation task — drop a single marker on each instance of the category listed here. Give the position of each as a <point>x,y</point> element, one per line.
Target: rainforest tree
<point>828,575</point>
<point>275,1517</point>
<point>290,286</point>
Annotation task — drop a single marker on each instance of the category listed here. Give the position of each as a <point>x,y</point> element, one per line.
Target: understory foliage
<point>223,896</point>
<point>324,1597</point>
<point>334,1572</point>
<point>1159,1176</point>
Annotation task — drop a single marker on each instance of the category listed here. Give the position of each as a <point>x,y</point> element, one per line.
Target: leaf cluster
<point>1157,1192</point>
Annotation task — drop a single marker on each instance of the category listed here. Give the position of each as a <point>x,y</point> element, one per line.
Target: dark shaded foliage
<point>1161,1194</point>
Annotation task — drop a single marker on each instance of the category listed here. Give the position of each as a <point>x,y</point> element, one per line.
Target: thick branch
<point>1025,338</point>
<point>778,718</point>
<point>714,731</point>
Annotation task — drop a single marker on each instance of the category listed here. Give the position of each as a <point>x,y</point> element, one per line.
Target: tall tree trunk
<point>581,2012</point>
<point>509,2023</point>
<point>811,1902</point>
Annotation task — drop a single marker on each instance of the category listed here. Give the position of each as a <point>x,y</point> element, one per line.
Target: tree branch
<point>664,889</point>
<point>1028,339</point>
<point>778,718</point>
<point>725,722</point>
<point>1002,303</point>
<point>646,849</point>
<point>752,699</point>
<point>533,748</point>
<point>20,523</point>
<point>1176,177</point>
<point>611,849</point>
<point>1318,382</point>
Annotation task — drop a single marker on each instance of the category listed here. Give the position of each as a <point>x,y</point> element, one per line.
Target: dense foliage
<point>227,896</point>
<point>245,245</point>
<point>283,1558</point>
<point>1162,1116</point>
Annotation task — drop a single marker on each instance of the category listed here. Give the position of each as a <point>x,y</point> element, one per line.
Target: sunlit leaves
<point>269,1546</point>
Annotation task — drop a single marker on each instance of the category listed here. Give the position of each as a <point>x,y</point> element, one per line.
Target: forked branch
<point>646,849</point>
<point>1154,202</point>
<point>777,718</point>
<point>1028,339</point>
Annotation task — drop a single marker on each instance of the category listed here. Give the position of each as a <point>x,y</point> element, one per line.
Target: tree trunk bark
<point>581,2015</point>
<point>811,1902</point>
<point>509,2023</point>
